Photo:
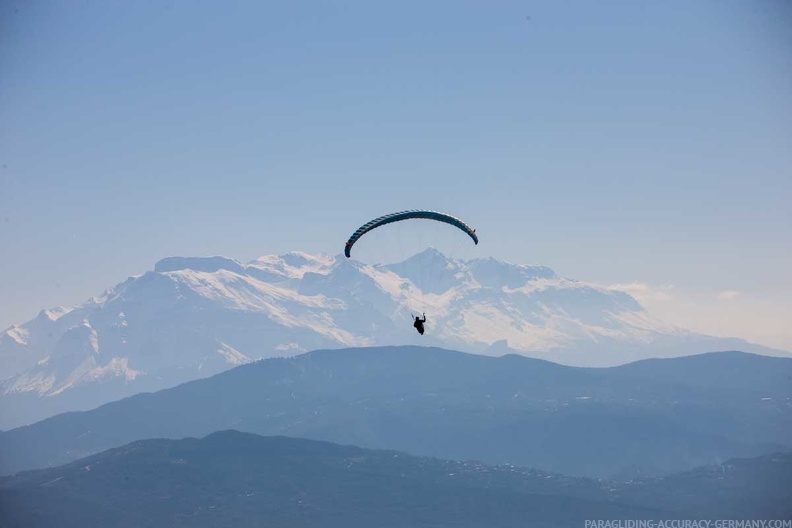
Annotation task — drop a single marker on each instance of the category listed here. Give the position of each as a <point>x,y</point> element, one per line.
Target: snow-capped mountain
<point>194,317</point>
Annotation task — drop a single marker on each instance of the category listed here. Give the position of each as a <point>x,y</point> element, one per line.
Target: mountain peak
<point>430,270</point>
<point>430,257</point>
<point>490,272</point>
<point>430,254</point>
<point>205,264</point>
<point>53,314</point>
<point>300,259</point>
<point>289,266</point>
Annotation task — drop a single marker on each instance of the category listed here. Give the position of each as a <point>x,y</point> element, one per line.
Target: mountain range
<point>191,318</point>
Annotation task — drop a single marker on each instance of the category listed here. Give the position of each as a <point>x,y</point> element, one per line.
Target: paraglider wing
<point>408,215</point>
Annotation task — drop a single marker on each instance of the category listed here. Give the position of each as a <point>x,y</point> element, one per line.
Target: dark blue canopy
<point>408,215</point>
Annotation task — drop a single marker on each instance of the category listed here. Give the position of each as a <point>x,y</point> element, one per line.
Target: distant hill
<point>648,418</point>
<point>237,479</point>
<point>752,488</point>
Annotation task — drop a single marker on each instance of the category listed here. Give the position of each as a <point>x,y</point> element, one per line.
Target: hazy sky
<point>643,144</point>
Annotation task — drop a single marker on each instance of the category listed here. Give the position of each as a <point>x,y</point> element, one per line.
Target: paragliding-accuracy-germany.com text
<point>688,523</point>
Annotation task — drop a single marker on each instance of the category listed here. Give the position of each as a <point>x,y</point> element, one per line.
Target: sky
<point>645,146</point>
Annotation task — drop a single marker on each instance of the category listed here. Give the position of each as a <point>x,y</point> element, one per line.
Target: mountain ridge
<point>428,401</point>
<point>232,477</point>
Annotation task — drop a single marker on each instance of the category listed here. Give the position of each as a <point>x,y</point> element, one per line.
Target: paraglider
<point>408,215</point>
<point>418,323</point>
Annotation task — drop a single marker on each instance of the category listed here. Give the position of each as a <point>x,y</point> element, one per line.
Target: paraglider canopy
<point>408,215</point>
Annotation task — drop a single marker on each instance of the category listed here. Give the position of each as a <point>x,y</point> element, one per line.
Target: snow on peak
<point>82,336</point>
<point>18,334</point>
<point>53,314</point>
<point>429,256</point>
<point>492,273</point>
<point>205,264</point>
<point>293,347</point>
<point>89,371</point>
<point>292,265</point>
<point>231,355</point>
<point>430,271</point>
<point>299,259</point>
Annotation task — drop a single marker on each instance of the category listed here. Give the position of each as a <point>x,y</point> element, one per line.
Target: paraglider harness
<point>419,324</point>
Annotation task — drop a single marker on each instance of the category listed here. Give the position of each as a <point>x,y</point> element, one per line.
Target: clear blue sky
<point>641,143</point>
